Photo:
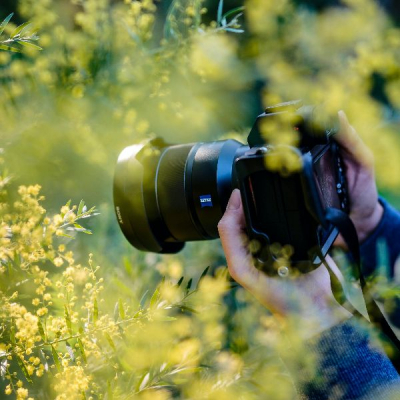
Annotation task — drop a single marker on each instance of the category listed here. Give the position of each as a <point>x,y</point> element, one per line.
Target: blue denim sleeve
<point>349,365</point>
<point>388,233</point>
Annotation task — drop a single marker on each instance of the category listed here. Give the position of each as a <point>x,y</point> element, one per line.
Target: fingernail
<point>234,201</point>
<point>342,116</point>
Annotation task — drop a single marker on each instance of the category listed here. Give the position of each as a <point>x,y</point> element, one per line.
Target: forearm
<point>347,365</point>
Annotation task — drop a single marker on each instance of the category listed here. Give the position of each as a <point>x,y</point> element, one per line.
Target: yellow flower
<point>58,261</point>
<point>36,301</point>
<point>64,209</point>
<point>42,311</point>
<point>22,393</point>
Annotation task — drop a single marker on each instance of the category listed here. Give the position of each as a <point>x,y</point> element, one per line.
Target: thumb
<point>233,218</point>
<point>234,201</point>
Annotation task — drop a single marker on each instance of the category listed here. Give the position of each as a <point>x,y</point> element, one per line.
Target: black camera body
<point>166,195</point>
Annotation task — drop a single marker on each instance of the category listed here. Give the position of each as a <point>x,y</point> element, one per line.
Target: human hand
<point>365,209</point>
<point>307,298</point>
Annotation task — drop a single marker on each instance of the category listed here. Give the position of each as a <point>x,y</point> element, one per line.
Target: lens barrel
<point>167,195</point>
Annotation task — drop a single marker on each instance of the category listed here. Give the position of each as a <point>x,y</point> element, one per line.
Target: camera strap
<point>346,228</point>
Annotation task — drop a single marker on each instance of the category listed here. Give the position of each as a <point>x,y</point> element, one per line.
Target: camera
<point>166,195</point>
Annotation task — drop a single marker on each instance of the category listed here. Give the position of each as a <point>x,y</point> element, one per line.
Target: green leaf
<point>154,298</point>
<point>24,370</point>
<point>186,370</point>
<point>236,10</point>
<point>29,44</point>
<point>80,228</point>
<point>187,308</point>
<point>41,331</point>
<point>12,334</point>
<point>95,310</point>
<point>42,356</point>
<point>144,381</point>
<point>9,48</point>
<point>68,319</point>
<point>219,13</point>
<point>5,22</point>
<point>234,30</point>
<point>203,274</point>
<point>65,235</point>
<point>80,207</point>
<point>82,349</point>
<point>189,284</point>
<point>143,299</point>
<point>20,28</point>
<point>26,29</point>
<point>89,213</point>
<point>55,358</point>
<point>180,281</point>
<point>110,341</point>
<point>128,266</point>
<point>116,311</point>
<point>121,309</point>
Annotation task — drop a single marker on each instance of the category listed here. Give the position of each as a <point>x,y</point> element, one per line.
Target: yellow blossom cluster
<point>71,383</point>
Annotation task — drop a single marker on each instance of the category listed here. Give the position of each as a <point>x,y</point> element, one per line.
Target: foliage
<point>18,36</point>
<point>58,340</point>
<point>112,73</point>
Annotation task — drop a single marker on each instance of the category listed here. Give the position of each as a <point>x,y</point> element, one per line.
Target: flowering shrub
<point>57,341</point>
<point>92,76</point>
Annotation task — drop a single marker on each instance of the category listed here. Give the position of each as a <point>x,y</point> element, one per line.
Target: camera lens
<point>167,195</point>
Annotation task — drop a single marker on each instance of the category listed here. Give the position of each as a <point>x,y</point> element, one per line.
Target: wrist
<point>365,225</point>
<point>314,320</point>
